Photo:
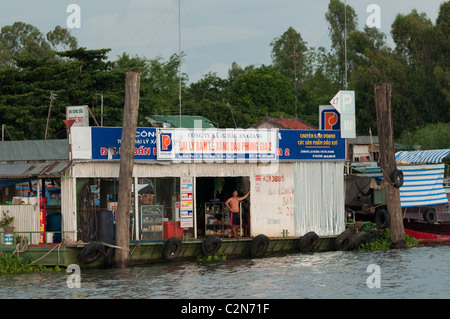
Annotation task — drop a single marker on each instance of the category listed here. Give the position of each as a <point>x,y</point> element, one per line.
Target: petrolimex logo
<point>329,118</point>
<point>166,142</point>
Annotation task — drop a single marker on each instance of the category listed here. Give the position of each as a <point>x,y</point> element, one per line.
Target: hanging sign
<point>79,114</point>
<point>344,103</point>
<point>186,202</point>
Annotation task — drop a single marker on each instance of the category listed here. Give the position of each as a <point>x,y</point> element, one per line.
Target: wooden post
<point>130,117</point>
<point>387,162</point>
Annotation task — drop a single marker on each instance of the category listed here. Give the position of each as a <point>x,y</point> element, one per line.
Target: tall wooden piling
<point>130,118</point>
<point>387,162</point>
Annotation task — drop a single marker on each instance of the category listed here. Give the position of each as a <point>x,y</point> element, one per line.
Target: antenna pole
<point>179,57</point>
<point>345,42</point>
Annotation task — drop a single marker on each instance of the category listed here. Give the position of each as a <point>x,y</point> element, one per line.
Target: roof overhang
<point>22,170</point>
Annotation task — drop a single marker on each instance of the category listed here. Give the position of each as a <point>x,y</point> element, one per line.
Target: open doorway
<point>213,217</point>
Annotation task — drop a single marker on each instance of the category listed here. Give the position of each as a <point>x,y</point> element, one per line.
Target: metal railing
<point>40,237</point>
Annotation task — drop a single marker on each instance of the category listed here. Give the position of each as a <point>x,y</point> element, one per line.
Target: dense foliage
<point>301,78</point>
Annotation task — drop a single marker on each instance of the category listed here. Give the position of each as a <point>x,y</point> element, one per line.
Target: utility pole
<point>179,56</point>
<point>294,57</point>
<point>387,162</point>
<point>130,118</point>
<point>53,97</point>
<point>345,43</point>
<point>101,108</point>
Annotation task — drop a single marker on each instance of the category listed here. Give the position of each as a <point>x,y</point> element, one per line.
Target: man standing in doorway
<point>233,205</point>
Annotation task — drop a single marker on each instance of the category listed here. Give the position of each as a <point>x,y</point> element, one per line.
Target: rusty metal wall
<point>319,199</point>
<point>26,219</point>
<point>272,202</point>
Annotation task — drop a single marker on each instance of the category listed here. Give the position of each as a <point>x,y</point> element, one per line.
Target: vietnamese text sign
<point>107,141</point>
<point>217,145</point>
<point>311,145</point>
<point>79,114</point>
<point>186,202</point>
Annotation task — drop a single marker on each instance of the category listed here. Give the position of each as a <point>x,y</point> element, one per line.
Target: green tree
<point>428,137</point>
<point>288,57</point>
<point>261,92</point>
<point>209,97</point>
<point>61,40</point>
<point>422,47</point>
<point>21,40</point>
<point>342,21</point>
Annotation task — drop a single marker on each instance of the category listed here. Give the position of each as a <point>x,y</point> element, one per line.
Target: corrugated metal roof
<point>289,124</point>
<point>34,150</point>
<point>187,121</point>
<point>31,169</point>
<point>429,156</point>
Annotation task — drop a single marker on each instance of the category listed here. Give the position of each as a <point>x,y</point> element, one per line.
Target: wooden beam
<point>130,118</point>
<point>387,162</point>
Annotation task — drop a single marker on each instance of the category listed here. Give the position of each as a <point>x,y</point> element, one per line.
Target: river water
<point>421,272</point>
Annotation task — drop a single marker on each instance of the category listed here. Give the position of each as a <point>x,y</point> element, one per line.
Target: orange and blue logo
<point>330,120</point>
<point>166,142</point>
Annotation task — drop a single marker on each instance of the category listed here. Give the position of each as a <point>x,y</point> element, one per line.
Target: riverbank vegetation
<point>11,264</point>
<point>380,239</point>
<point>299,79</point>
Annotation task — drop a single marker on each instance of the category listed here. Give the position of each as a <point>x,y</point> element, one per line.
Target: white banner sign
<point>217,145</point>
<point>79,114</point>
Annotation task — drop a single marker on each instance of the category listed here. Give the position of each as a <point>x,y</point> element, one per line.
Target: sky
<point>212,33</point>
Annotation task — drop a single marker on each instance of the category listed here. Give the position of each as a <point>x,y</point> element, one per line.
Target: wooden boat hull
<point>428,233</point>
<point>151,252</point>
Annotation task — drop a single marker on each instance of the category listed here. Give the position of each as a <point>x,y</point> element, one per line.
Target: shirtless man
<point>233,205</point>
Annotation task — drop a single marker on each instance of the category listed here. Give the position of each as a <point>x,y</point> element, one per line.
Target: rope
<point>116,247</point>
<point>18,251</point>
<point>387,177</point>
<point>57,246</point>
<point>360,190</point>
<point>135,247</point>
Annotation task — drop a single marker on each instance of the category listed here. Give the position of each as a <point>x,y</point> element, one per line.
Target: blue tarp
<point>423,184</point>
<point>9,182</point>
<point>429,157</point>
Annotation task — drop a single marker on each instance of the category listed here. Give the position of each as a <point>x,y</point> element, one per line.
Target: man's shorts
<point>235,219</point>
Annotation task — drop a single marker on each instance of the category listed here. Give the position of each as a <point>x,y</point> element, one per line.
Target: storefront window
<point>158,207</point>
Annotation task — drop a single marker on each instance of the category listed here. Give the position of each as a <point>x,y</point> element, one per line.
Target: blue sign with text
<point>311,145</point>
<point>106,143</point>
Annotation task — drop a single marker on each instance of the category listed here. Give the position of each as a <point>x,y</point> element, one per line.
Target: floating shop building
<point>181,180</point>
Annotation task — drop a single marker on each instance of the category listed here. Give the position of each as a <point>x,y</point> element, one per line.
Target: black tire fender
<point>109,257</point>
<point>430,216</point>
<point>345,241</point>
<point>91,252</point>
<point>258,246</point>
<point>397,178</point>
<point>382,218</point>
<point>308,242</point>
<point>211,245</point>
<point>362,238</point>
<point>171,248</point>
